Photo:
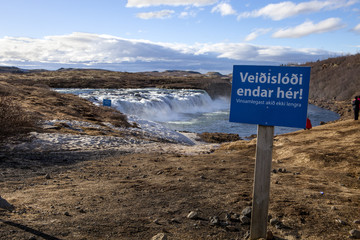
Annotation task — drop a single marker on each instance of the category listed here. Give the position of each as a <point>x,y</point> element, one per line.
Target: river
<point>184,110</point>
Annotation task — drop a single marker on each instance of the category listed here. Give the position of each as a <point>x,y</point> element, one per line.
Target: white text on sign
<point>267,93</point>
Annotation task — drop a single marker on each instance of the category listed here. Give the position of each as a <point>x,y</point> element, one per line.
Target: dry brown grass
<point>136,196</point>
<point>22,106</point>
<point>14,120</point>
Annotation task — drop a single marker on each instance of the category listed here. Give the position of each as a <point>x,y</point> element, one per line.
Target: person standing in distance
<point>355,104</point>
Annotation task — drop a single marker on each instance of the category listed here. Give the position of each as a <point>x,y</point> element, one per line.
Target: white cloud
<point>357,28</point>
<point>149,3</point>
<point>115,53</point>
<point>184,15</point>
<point>187,14</point>
<point>255,34</point>
<point>282,10</point>
<point>308,27</point>
<point>224,9</point>
<point>163,14</point>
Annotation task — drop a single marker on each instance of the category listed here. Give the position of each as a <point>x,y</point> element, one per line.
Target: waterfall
<point>161,105</point>
<point>166,105</point>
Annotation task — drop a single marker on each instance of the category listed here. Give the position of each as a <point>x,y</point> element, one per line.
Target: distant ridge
<point>335,78</point>
<point>5,69</point>
<point>11,70</point>
<point>215,84</point>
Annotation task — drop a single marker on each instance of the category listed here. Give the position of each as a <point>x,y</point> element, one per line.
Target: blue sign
<point>107,102</point>
<point>270,95</point>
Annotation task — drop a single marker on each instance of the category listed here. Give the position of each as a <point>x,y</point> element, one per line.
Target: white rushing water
<point>160,105</point>
<point>183,110</point>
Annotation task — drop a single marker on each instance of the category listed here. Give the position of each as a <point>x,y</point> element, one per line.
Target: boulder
<point>159,236</point>
<point>5,204</point>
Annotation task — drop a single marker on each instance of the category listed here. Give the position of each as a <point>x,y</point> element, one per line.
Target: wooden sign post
<point>267,96</point>
<point>261,193</point>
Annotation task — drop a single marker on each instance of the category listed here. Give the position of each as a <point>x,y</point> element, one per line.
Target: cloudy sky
<point>200,35</point>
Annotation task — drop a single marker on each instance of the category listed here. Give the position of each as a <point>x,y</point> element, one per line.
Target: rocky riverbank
<point>343,108</point>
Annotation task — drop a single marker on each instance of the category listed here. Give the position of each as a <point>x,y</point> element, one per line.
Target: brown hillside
<point>335,78</point>
<point>43,103</point>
